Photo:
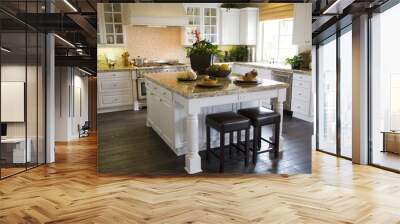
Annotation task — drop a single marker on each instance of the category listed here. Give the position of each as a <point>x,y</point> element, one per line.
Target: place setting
<point>248,79</point>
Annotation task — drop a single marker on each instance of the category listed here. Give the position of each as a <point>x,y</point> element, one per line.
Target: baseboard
<point>303,117</point>
<point>114,109</point>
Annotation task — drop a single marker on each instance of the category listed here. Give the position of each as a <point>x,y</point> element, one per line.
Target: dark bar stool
<point>261,116</point>
<point>227,122</point>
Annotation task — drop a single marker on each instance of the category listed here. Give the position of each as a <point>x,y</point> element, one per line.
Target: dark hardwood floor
<point>127,146</point>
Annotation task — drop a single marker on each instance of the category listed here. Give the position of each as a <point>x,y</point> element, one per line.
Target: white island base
<point>179,117</point>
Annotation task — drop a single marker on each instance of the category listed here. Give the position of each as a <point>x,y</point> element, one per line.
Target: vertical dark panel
<point>316,98</point>
<point>26,87</point>
<point>338,72</point>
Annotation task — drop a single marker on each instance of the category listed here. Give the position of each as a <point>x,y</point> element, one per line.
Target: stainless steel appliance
<point>154,67</point>
<point>286,77</point>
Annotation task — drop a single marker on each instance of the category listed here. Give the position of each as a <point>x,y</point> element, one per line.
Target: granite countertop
<point>273,67</point>
<point>190,90</point>
<point>128,68</point>
<point>115,69</point>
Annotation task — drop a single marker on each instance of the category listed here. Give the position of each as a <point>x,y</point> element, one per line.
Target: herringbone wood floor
<point>70,191</point>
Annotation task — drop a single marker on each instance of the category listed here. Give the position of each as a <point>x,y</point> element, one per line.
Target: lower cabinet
<point>115,91</point>
<point>161,113</point>
<point>302,106</point>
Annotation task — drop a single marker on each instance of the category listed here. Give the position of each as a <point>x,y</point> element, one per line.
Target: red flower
<point>197,35</point>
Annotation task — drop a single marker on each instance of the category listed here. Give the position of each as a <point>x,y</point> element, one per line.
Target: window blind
<point>274,11</point>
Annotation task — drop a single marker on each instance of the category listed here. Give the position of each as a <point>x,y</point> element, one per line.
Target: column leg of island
<point>192,158</point>
<point>278,107</point>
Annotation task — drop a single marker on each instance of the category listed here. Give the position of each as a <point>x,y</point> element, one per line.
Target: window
<point>276,40</point>
<point>385,89</point>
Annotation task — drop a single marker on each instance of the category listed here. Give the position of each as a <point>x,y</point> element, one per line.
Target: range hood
<point>164,14</point>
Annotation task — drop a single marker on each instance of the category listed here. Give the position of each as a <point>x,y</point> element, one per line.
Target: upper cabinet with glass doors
<point>203,18</point>
<point>110,30</point>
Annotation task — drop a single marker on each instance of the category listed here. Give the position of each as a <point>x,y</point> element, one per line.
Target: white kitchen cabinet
<point>229,26</point>
<point>115,91</point>
<point>161,116</point>
<point>302,105</point>
<point>167,120</point>
<point>203,18</point>
<point>248,26</point>
<point>110,29</point>
<point>302,19</point>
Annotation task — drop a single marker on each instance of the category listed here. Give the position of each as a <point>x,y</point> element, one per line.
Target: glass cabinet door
<point>210,24</point>
<point>327,96</point>
<point>113,23</point>
<point>193,14</point>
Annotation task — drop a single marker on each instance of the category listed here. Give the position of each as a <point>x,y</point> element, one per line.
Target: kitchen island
<point>176,110</point>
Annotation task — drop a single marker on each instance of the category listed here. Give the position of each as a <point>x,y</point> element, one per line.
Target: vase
<point>200,63</point>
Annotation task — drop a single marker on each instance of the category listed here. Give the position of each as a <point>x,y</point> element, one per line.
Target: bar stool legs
<point>208,139</point>
<point>221,151</point>
<point>246,148</point>
<point>276,143</point>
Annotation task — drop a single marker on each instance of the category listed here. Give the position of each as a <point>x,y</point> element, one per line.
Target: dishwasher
<point>286,77</point>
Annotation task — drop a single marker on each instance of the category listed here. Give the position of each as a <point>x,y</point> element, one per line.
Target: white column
<point>50,94</point>
<point>360,90</point>
<point>192,159</point>
<point>278,107</point>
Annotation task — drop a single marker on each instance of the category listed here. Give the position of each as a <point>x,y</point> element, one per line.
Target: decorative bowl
<point>219,74</point>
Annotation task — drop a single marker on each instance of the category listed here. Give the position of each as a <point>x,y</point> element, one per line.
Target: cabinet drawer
<point>115,75</point>
<point>301,106</point>
<point>160,91</point>
<point>115,100</point>
<point>301,93</point>
<point>114,85</point>
<point>301,77</point>
<point>165,94</point>
<point>301,84</point>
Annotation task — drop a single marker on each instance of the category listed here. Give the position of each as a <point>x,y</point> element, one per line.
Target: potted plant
<point>201,54</point>
<point>295,62</point>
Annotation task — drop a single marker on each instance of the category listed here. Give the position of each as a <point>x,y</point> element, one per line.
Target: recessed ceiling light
<point>5,50</point>
<point>70,5</point>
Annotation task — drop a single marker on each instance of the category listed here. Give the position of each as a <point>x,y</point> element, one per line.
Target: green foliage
<point>295,62</point>
<point>203,47</point>
<point>214,68</point>
<point>238,53</point>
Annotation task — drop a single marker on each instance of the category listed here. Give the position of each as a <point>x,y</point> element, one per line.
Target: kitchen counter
<point>176,110</point>
<point>128,68</point>
<point>189,89</point>
<point>273,67</point>
<point>115,69</point>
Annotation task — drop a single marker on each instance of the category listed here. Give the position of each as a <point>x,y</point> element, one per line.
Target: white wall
<point>68,81</point>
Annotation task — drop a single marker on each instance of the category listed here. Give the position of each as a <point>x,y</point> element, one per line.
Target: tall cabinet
<point>248,26</point>
<point>229,26</point>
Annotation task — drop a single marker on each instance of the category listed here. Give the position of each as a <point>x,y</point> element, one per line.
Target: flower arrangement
<point>202,47</point>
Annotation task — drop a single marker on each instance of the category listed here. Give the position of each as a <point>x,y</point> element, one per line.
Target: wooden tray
<point>247,82</point>
<point>186,80</point>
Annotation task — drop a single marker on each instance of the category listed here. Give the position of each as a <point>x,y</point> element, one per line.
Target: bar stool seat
<point>261,116</point>
<point>227,122</point>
